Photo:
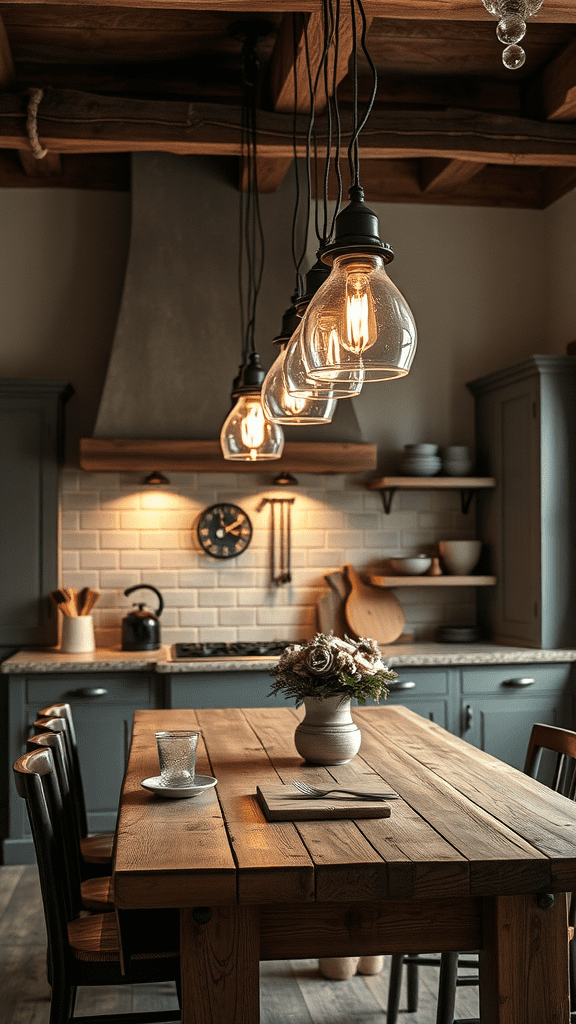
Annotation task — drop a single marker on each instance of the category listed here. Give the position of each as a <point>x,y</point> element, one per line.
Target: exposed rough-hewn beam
<point>553,11</point>
<point>108,172</point>
<point>557,86</point>
<point>72,122</point>
<point>557,181</point>
<point>271,173</point>
<point>289,78</point>
<point>437,175</point>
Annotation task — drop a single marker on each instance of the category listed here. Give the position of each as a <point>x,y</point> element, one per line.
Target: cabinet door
<point>30,415</point>
<point>502,725</point>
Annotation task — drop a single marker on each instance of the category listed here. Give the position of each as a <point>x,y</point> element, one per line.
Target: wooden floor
<point>292,991</point>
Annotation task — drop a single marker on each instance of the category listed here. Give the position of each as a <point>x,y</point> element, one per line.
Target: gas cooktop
<point>260,648</point>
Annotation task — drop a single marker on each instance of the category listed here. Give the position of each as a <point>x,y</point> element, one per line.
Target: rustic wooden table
<point>464,862</point>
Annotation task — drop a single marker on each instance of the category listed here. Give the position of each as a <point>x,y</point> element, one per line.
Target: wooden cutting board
<point>279,804</point>
<point>373,612</point>
<point>330,608</point>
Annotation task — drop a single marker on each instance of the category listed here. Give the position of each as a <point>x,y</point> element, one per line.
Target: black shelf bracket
<point>387,493</point>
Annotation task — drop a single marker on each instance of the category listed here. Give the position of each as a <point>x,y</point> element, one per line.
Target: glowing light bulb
<point>247,434</point>
<point>357,323</point>
<point>282,407</point>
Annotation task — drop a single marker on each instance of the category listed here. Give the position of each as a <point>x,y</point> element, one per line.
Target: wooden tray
<point>279,804</point>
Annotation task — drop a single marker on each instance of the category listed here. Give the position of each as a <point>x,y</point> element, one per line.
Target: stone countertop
<point>395,655</point>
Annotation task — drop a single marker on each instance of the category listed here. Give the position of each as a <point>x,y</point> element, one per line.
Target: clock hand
<point>235,526</point>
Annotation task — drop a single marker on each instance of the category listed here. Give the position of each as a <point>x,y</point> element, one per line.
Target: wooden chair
<point>96,848</point>
<point>561,777</point>
<point>96,892</point>
<point>86,950</point>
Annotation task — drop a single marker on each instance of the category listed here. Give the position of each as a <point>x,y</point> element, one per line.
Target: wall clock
<point>224,530</point>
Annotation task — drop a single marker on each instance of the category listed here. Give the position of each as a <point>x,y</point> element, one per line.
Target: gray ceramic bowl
<point>414,565</point>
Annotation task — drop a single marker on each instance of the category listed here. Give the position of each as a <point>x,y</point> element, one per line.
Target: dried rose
<point>321,661</point>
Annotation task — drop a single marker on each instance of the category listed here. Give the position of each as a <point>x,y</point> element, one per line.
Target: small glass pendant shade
<point>358,322</point>
<point>247,434</point>
<point>299,384</point>
<point>282,407</point>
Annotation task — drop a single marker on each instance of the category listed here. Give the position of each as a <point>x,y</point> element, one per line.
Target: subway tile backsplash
<point>117,532</point>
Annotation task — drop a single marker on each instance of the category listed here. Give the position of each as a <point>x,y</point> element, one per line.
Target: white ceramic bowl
<point>411,566</point>
<point>460,556</point>
<point>421,449</point>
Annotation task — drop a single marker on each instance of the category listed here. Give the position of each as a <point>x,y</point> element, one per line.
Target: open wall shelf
<point>467,485</point>
<point>432,581</point>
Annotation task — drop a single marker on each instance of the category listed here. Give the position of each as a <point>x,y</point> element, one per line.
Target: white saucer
<point>201,784</point>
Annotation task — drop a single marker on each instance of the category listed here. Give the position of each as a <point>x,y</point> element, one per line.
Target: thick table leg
<point>220,950</point>
<point>524,962</point>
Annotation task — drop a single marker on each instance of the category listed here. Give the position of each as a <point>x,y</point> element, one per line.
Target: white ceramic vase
<point>327,734</point>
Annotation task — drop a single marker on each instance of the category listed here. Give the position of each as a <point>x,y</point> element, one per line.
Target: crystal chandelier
<point>511,28</point>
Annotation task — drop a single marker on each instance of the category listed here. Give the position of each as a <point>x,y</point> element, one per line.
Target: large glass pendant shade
<point>282,407</point>
<point>299,384</point>
<point>358,322</point>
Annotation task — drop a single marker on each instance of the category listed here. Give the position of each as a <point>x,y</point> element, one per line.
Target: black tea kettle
<point>141,627</point>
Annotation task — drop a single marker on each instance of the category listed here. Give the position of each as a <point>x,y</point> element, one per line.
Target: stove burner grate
<point>260,648</point>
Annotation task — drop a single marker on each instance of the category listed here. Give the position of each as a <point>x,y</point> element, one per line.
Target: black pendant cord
<point>333,101</point>
<point>358,125</point>
<point>297,259</point>
<point>252,247</point>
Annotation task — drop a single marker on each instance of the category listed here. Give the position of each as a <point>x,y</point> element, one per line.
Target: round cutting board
<point>373,612</point>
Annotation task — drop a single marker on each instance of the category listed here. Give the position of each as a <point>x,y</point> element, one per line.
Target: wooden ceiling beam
<point>554,92</point>
<point>271,173</point>
<point>289,75</point>
<point>437,175</point>
<point>553,11</point>
<point>72,122</point>
<point>7,73</point>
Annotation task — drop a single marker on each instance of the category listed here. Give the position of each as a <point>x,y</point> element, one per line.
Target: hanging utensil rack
<point>280,538</point>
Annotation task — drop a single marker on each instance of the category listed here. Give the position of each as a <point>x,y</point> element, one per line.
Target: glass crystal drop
<point>511,29</point>
<point>513,57</point>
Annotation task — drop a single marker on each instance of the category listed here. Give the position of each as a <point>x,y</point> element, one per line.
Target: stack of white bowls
<point>420,460</point>
<point>456,460</point>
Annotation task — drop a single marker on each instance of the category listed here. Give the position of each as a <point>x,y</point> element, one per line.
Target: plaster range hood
<point>177,344</point>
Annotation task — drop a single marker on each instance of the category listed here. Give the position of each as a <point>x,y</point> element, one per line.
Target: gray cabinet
<point>430,692</point>
<point>31,415</point>
<point>501,704</point>
<point>526,438</point>
<point>103,706</point>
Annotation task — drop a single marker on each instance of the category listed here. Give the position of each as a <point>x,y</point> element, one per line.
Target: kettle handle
<point>147,586</point>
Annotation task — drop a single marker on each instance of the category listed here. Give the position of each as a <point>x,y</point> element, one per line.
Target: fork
<point>307,790</point>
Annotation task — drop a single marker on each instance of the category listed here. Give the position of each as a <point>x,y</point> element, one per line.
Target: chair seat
<point>97,849</point>
<point>97,894</point>
<point>94,938</point>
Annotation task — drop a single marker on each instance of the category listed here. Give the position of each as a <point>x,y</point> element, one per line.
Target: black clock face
<point>224,531</point>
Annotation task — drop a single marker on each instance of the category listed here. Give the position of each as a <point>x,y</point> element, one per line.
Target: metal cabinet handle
<point>89,691</point>
<point>468,717</point>
<point>526,681</point>
<point>398,684</point>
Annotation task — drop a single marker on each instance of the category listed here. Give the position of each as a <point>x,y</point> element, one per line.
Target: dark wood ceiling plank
<point>398,181</point>
<point>82,122</point>
<point>6,62</point>
<point>50,166</point>
<point>307,32</point>
<point>109,172</point>
<point>555,91</point>
<point>553,11</point>
<point>557,182</point>
<point>437,175</point>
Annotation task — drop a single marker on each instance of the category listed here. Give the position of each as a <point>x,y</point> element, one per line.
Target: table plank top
<point>466,824</point>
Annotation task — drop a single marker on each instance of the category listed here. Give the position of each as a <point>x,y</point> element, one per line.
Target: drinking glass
<point>177,756</point>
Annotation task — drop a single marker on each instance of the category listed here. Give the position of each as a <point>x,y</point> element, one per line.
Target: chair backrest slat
<point>64,711</point>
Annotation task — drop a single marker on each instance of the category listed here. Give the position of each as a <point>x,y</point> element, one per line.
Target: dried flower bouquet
<point>327,666</point>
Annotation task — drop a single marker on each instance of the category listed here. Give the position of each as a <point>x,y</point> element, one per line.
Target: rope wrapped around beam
<point>32,123</point>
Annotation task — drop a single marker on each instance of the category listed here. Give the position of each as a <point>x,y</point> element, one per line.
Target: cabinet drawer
<point>90,688</point>
<point>510,679</point>
<point>418,682</point>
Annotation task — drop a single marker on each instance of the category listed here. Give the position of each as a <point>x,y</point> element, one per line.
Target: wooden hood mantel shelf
<point>112,455</point>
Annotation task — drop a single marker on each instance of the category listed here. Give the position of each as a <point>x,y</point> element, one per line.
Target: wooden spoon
<point>373,612</point>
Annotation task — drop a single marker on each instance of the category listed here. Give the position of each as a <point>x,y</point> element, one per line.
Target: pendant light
<point>307,407</point>
<point>358,321</point>
<point>279,404</point>
<point>247,434</point>
<point>511,27</point>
